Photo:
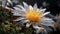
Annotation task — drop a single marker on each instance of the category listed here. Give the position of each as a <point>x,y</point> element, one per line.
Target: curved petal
<point>43,10</point>
<point>28,25</point>
<point>30,7</point>
<point>18,10</point>
<point>46,13</point>
<point>47,22</point>
<point>21,7</point>
<point>35,6</point>
<point>25,5</point>
<point>18,19</point>
<point>36,27</point>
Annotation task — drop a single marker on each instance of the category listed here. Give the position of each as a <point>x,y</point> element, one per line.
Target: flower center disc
<point>33,16</point>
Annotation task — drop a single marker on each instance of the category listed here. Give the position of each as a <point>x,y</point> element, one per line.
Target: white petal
<point>25,5</point>
<point>26,21</point>
<point>21,7</point>
<point>17,14</point>
<point>28,25</point>
<point>19,19</point>
<point>43,10</point>
<point>9,0</point>
<point>49,19</point>
<point>15,1</point>
<point>35,6</point>
<point>7,4</point>
<point>46,13</point>
<point>30,7</point>
<point>36,27</point>
<point>47,22</point>
<point>18,10</point>
<point>37,10</point>
<point>8,8</point>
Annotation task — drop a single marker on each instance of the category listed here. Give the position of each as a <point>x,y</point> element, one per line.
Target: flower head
<point>32,16</point>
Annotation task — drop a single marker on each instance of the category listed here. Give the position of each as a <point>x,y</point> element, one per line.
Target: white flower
<point>32,16</point>
<point>6,3</point>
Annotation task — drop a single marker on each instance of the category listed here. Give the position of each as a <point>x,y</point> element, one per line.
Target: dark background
<point>53,5</point>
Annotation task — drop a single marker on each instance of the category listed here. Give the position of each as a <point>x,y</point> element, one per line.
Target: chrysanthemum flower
<point>33,16</point>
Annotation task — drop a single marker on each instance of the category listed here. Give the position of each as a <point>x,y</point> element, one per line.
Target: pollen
<point>33,16</point>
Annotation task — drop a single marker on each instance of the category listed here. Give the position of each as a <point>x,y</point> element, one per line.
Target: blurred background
<point>51,5</point>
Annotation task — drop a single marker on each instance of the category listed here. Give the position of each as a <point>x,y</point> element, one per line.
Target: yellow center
<point>34,16</point>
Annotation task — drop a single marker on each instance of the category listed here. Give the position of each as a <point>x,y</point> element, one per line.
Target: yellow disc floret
<point>33,16</point>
